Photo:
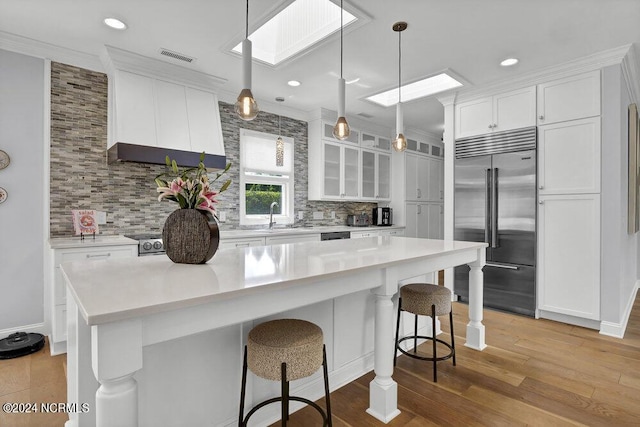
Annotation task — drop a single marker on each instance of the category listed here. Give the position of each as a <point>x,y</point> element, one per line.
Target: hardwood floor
<point>534,372</point>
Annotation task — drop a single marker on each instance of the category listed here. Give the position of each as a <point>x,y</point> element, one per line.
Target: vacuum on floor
<point>20,344</point>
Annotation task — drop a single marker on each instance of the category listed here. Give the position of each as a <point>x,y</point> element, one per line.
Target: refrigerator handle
<point>487,216</point>
<point>494,210</point>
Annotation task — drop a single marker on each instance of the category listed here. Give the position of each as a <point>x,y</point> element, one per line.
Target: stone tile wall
<point>82,179</point>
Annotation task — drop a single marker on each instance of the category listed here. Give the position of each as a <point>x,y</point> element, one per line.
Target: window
<point>263,181</point>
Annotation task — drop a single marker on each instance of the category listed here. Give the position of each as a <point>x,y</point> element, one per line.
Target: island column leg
<point>383,390</point>
<point>116,350</point>
<point>475,328</point>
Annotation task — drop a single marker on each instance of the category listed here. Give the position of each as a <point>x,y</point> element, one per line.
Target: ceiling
<point>469,37</point>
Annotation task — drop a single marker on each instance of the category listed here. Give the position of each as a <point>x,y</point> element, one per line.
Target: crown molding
<point>631,72</point>
<point>31,47</point>
<point>593,62</point>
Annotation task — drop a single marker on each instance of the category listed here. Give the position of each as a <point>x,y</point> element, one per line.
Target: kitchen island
<point>154,343</point>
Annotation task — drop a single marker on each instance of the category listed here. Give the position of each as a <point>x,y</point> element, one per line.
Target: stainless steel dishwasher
<point>335,235</point>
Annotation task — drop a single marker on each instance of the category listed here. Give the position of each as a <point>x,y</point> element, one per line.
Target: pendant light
<point>279,146</point>
<point>341,130</point>
<point>400,142</point>
<point>246,106</point>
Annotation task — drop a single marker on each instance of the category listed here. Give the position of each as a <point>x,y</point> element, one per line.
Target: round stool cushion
<point>417,298</point>
<point>297,343</point>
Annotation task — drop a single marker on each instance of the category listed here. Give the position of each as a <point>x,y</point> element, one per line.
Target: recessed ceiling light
<point>115,23</point>
<point>293,83</point>
<point>421,88</point>
<point>509,62</point>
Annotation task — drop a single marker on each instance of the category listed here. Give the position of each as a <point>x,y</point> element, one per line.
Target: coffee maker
<point>382,216</point>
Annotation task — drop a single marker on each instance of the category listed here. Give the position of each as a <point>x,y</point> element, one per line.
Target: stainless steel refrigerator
<point>495,202</point>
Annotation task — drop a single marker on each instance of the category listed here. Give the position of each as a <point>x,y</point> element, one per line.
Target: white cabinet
<point>157,113</point>
<point>392,232</point>
<point>341,172</point>
<point>569,255</point>
<point>569,98</point>
<point>505,111</point>
<point>241,242</point>
<point>376,175</point>
<point>424,178</point>
<point>363,234</point>
<point>327,133</point>
<point>375,142</point>
<point>424,220</point>
<point>569,157</point>
<point>59,291</point>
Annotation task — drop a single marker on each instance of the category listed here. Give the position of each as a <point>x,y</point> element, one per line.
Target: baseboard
<point>35,328</point>
<point>616,330</point>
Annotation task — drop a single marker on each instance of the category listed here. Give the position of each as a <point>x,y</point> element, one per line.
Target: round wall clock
<point>3,194</point>
<point>4,159</point>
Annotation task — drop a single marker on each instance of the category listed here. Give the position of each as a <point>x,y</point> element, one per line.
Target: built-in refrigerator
<point>495,202</point>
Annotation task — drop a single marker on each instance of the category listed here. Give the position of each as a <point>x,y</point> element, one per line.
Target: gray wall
<point>619,249</point>
<point>81,177</point>
<point>21,215</point>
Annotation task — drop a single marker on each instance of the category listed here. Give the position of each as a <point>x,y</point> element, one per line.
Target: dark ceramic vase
<point>190,236</point>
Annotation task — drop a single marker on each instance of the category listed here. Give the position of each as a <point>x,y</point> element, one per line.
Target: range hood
<point>157,109</point>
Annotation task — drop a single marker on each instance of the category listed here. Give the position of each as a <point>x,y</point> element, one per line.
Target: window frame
<point>286,180</point>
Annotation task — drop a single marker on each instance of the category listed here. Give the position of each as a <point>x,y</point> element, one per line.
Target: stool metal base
<point>434,340</point>
<point>285,398</point>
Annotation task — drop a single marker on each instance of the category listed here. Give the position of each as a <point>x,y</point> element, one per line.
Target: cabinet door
<point>134,109</point>
<point>327,133</point>
<point>241,243</point>
<point>423,178</point>
<point>296,238</point>
<point>569,157</point>
<point>351,174</point>
<point>473,117</point>
<point>436,180</point>
<point>515,109</point>
<point>363,234</point>
<point>173,123</point>
<point>411,177</point>
<point>422,221</point>
<point>411,223</point>
<point>569,255</point>
<point>332,170</point>
<point>368,173</point>
<point>570,98</point>
<point>384,176</point>
<point>368,141</point>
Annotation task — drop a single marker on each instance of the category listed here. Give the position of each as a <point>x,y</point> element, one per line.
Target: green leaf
<point>161,183</point>
<point>174,166</point>
<point>167,160</point>
<point>182,201</point>
<point>225,186</point>
<point>202,158</point>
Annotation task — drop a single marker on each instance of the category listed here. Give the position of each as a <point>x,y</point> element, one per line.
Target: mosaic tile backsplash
<point>80,177</point>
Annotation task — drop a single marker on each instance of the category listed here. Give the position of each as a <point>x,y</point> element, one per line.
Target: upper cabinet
<point>505,111</point>
<point>569,98</point>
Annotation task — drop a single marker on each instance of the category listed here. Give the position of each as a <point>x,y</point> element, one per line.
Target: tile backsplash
<point>80,177</point>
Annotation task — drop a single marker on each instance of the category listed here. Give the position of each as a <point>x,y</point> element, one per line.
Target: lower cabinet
<point>568,273</point>
<point>241,243</point>
<point>296,238</point>
<point>59,292</point>
<point>425,220</point>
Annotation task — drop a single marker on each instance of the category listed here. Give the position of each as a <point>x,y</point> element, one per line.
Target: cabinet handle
<point>419,210</point>
<point>419,194</point>
<point>108,254</point>
<point>541,117</point>
<point>242,245</point>
<point>441,194</point>
<point>490,126</point>
<point>541,202</point>
<point>541,187</point>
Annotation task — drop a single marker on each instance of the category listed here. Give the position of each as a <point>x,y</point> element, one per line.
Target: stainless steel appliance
<point>148,244</point>
<point>361,220</point>
<point>495,202</point>
<point>382,216</point>
<point>335,235</point>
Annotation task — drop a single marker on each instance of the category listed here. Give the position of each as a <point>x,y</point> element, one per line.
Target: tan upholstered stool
<point>425,299</point>
<point>285,350</point>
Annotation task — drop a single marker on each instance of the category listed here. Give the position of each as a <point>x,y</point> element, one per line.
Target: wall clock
<point>4,159</point>
<point>3,194</point>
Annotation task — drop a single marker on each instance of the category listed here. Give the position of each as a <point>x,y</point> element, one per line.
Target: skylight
<point>295,28</point>
<point>420,89</point>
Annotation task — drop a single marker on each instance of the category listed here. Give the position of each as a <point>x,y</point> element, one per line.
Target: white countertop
<point>283,231</point>
<point>118,289</point>
<point>89,241</point>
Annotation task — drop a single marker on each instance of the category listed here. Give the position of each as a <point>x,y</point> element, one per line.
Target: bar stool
<point>425,299</point>
<point>285,350</point>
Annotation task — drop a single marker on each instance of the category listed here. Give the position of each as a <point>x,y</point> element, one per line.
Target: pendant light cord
<point>246,33</point>
<point>341,25</point>
<point>399,66</point>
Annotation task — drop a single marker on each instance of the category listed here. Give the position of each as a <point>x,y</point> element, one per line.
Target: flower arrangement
<point>190,188</point>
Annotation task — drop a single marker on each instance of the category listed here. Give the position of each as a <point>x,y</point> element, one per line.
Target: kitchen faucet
<point>271,221</point>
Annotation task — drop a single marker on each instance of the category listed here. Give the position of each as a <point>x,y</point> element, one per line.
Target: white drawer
<point>110,252</point>
<point>240,243</point>
<point>60,323</point>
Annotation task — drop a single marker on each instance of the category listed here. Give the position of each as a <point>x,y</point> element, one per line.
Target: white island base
<point>153,343</point>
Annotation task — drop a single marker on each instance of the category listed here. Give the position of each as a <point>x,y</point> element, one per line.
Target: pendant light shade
<point>246,107</point>
<point>400,142</point>
<point>341,130</point>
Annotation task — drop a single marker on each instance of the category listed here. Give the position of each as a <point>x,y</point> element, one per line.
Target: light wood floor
<point>534,372</point>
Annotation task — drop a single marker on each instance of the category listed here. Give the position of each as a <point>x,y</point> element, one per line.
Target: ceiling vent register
<point>176,55</point>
